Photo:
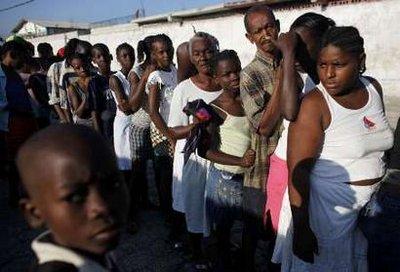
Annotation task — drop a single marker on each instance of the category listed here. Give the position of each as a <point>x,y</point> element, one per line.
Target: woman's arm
<point>304,142</point>
<point>291,82</point>
<point>181,132</point>
<point>115,86</point>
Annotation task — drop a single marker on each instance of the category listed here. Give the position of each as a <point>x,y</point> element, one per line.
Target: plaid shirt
<point>55,88</point>
<point>256,87</point>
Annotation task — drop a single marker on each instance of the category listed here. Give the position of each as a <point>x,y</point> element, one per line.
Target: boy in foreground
<point>74,190</point>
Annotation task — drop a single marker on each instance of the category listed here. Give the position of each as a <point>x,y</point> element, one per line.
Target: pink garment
<point>277,182</point>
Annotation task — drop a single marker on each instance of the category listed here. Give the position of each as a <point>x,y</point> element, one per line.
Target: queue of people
<point>295,145</point>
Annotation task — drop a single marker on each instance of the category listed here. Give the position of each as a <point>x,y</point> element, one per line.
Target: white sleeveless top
<point>121,129</point>
<point>126,89</point>
<point>281,148</point>
<point>167,82</point>
<point>355,141</point>
<point>140,118</point>
<point>235,139</point>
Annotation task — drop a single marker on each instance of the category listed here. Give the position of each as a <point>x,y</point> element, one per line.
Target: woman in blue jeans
<point>380,219</point>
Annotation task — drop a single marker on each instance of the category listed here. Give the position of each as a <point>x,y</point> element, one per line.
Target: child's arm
<point>122,100</point>
<point>154,106</point>
<point>209,149</point>
<point>222,158</point>
<point>138,94</point>
<point>76,106</point>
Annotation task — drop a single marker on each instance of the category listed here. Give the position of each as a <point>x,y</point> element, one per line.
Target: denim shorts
<point>224,197</point>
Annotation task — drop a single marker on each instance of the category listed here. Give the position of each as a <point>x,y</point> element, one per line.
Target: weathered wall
<point>377,22</point>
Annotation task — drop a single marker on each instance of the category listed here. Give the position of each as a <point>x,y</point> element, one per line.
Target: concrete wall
<point>376,21</point>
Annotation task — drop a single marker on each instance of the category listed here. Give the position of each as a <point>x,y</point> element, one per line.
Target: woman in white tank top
<point>299,49</point>
<point>335,159</point>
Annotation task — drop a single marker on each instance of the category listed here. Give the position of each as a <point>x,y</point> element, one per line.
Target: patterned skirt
<point>160,143</point>
<point>139,139</point>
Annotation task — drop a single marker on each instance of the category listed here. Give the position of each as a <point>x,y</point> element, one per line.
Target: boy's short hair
<point>55,138</point>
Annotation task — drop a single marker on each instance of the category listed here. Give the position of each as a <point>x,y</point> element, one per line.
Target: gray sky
<point>87,10</point>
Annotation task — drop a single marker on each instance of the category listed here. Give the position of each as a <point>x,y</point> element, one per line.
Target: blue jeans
<point>224,197</point>
<point>380,223</point>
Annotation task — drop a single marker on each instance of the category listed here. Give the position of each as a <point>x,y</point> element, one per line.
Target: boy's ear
<point>249,37</point>
<point>31,213</point>
<point>278,25</point>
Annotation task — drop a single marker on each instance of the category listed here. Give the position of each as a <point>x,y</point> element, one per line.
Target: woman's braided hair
<point>347,38</point>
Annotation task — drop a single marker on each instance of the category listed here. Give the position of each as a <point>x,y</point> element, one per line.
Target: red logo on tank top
<point>368,123</point>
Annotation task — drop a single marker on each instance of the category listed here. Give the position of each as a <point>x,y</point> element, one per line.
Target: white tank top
<point>140,118</point>
<point>355,141</point>
<point>126,89</point>
<point>281,148</point>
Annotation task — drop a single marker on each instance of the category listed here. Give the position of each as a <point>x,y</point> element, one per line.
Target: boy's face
<point>228,75</point>
<point>263,28</point>
<point>83,202</point>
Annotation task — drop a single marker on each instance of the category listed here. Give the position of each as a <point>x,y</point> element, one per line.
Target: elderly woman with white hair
<point>189,179</point>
